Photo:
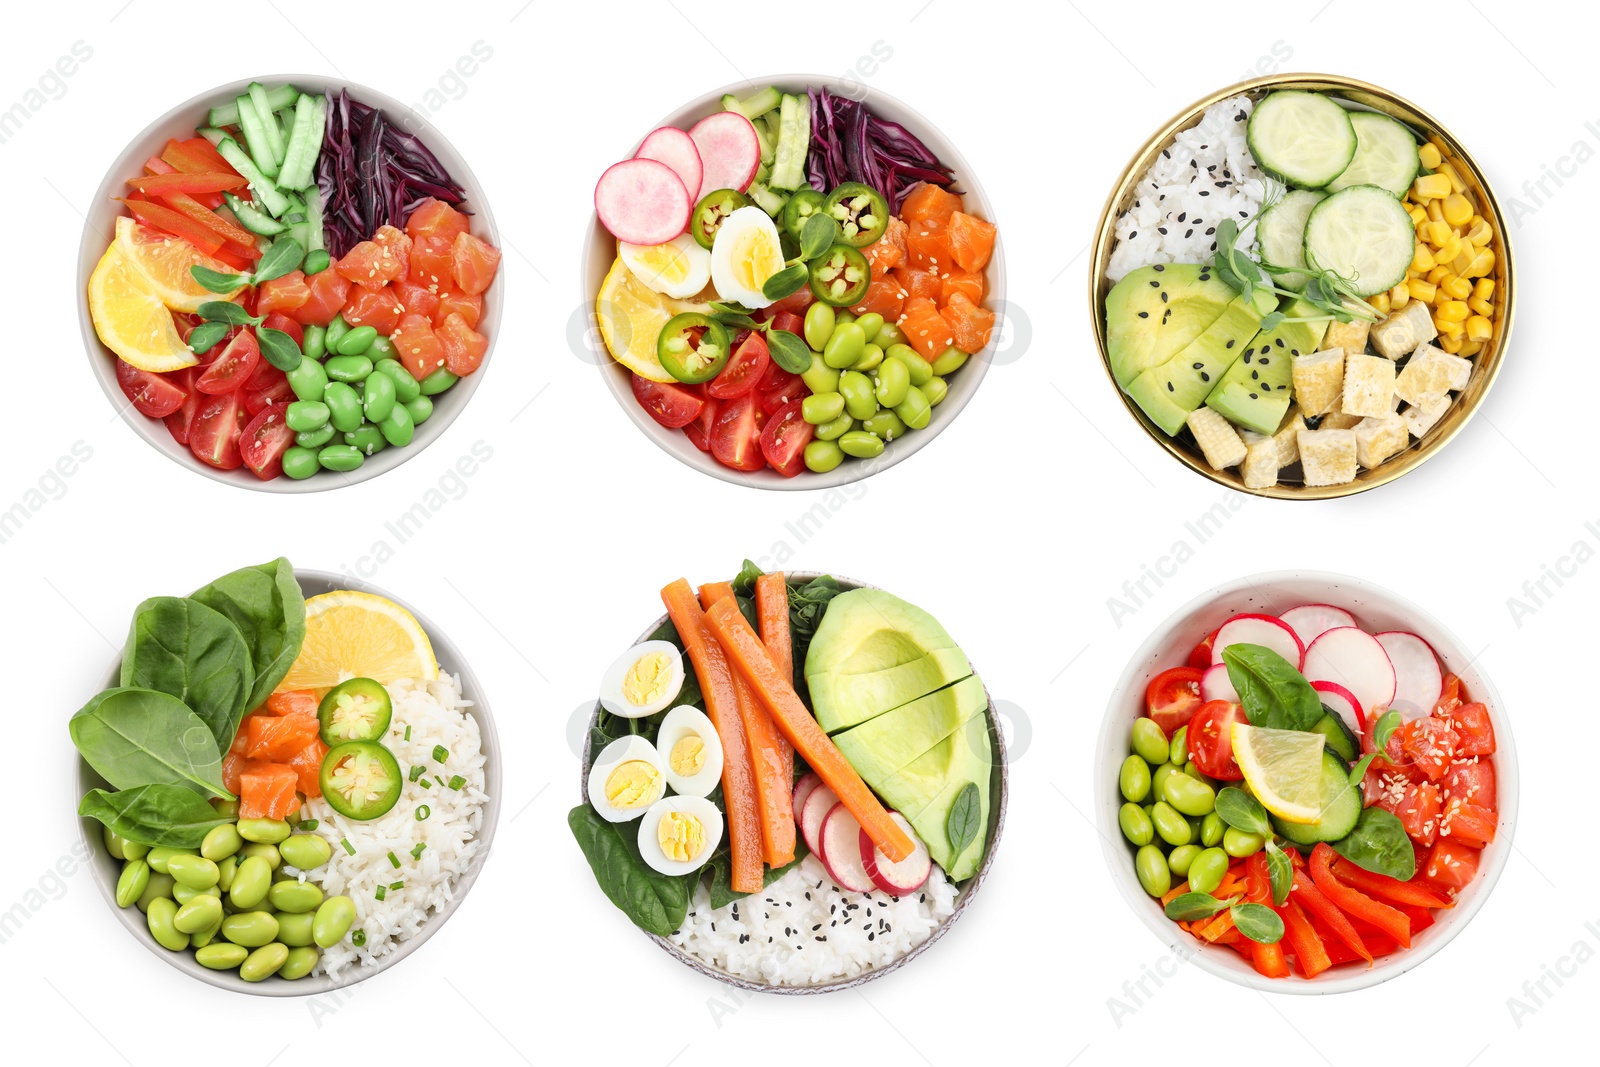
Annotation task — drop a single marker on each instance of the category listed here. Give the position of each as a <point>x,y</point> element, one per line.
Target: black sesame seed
<point>1170,389</point>
<point>1210,230</point>
<point>1204,377</point>
<point>1162,230</point>
<point>1265,360</point>
<point>1203,192</point>
<point>1167,154</point>
<point>1255,374</point>
<point>1280,342</point>
<point>1154,284</point>
<point>1144,314</point>
<point>1163,296</point>
<point>1181,215</point>
<point>1161,266</point>
<point>1230,344</point>
<point>1188,233</point>
<point>1132,234</point>
<point>1197,366</point>
<point>1254,397</point>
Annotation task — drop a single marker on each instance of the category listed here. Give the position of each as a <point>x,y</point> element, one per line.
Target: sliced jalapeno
<point>714,207</point>
<point>862,214</point>
<point>355,710</point>
<point>841,276</point>
<point>801,206</point>
<point>693,347</point>
<point>360,779</point>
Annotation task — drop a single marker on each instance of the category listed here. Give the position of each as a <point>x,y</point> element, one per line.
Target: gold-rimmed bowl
<point>1486,364</point>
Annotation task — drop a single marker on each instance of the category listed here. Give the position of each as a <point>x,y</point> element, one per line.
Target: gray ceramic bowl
<point>600,252</point>
<point>1376,609</point>
<point>100,224</point>
<point>106,869</point>
<point>999,792</point>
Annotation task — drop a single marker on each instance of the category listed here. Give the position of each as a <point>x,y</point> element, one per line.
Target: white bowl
<point>100,222</point>
<point>600,252</point>
<point>1376,610</point>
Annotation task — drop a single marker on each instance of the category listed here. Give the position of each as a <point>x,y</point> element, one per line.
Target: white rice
<point>436,714</point>
<point>1207,175</point>
<point>804,930</point>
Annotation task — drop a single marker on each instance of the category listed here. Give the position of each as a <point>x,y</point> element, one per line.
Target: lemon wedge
<point>131,319</point>
<point>354,634</point>
<point>631,316</point>
<point>1283,769</point>
<point>164,262</point>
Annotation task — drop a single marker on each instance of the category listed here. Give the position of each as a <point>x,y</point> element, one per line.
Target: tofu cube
<point>1288,447</point>
<point>1378,439</point>
<point>1419,420</point>
<point>1429,374</point>
<point>1217,438</point>
<point>1337,420</point>
<point>1261,462</point>
<point>1328,457</point>
<point>1403,330</point>
<point>1350,336</point>
<point>1368,385</point>
<point>1318,378</point>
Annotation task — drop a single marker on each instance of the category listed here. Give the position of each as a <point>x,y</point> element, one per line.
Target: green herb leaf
<point>1227,234</point>
<point>265,604</point>
<point>1242,811</point>
<point>1259,923</point>
<point>730,307</point>
<point>786,282</point>
<point>1379,844</point>
<point>1359,771</point>
<point>216,281</point>
<point>223,311</point>
<point>184,648</point>
<point>283,256</point>
<point>1193,907</point>
<point>169,815</point>
<point>1270,321</point>
<point>738,321</point>
<point>789,351</point>
<point>1273,693</point>
<point>655,902</point>
<point>744,583</point>
<point>1388,723</point>
<point>204,337</point>
<point>961,825</point>
<point>135,737</point>
<point>817,236</point>
<point>278,348</point>
<point>1280,871</point>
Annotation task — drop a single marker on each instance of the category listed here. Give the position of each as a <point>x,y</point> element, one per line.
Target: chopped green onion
<point>416,853</point>
<point>440,753</point>
<point>397,885</point>
<point>394,860</point>
<point>408,732</point>
<point>358,938</point>
<point>424,783</point>
<point>415,773</point>
<point>308,824</point>
<point>348,847</point>
<point>457,782</point>
<point>382,892</point>
<point>423,811</point>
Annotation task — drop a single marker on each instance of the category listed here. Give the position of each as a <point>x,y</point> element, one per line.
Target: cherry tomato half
<point>1172,697</point>
<point>1211,739</point>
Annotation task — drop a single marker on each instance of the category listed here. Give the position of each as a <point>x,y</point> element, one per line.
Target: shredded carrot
<point>772,610</point>
<point>1174,893</point>
<point>1220,924</point>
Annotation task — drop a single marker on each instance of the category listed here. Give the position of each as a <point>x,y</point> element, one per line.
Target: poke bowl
<point>764,356</point>
<point>1346,783</point>
<point>792,847</point>
<point>259,833</point>
<point>1356,314</point>
<point>255,255</point>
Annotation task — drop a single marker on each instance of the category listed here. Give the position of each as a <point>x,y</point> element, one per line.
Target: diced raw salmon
<point>469,307</point>
<point>378,308</point>
<point>925,329</point>
<point>277,737</point>
<point>929,202</point>
<point>888,251</point>
<point>918,283</point>
<point>971,240</point>
<point>970,283</point>
<point>307,764</point>
<point>267,790</point>
<point>884,295</point>
<point>970,323</point>
<point>928,246</point>
<point>291,702</point>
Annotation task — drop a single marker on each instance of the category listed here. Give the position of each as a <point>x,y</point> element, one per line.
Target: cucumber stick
<point>256,221</point>
<point>794,140</point>
<point>274,201</point>
<point>753,107</point>
<point>228,114</point>
<point>254,128</point>
<point>269,121</point>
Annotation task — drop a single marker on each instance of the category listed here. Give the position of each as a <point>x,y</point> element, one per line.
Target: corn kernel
<point>1454,311</point>
<point>1431,187</point>
<point>1418,215</point>
<point>1448,249</point>
<point>1462,264</point>
<point>1482,307</point>
<point>1480,233</point>
<point>1482,264</point>
<point>1381,302</point>
<point>1454,330</point>
<point>1439,273</point>
<point>1456,184</point>
<point>1430,157</point>
<point>1450,344</point>
<point>1422,289</point>
<point>1484,288</point>
<point>1399,297</point>
<point>1457,210</point>
<point>1469,349</point>
<point>1436,210</point>
<point>1437,234</point>
<point>1422,259</point>
<point>1479,328</point>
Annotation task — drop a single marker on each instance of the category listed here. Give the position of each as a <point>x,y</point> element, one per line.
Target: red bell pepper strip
<point>1414,893</point>
<point>1269,960</point>
<point>238,238</point>
<point>772,609</point>
<point>179,225</point>
<point>195,156</point>
<point>1309,951</point>
<point>1307,893</point>
<point>179,182</point>
<point>157,165</point>
<point>1354,902</point>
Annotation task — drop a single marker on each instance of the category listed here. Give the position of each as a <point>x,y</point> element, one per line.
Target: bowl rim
<point>93,243</point>
<point>999,787</point>
<point>1111,745</point>
<point>1104,240</point>
<point>617,377</point>
<point>106,867</point>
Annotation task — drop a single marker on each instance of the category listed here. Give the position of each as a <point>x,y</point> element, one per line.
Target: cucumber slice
<point>1386,155</point>
<point>753,107</point>
<point>260,184</point>
<point>257,222</point>
<point>1340,803</point>
<point>766,199</point>
<point>1340,740</point>
<point>314,239</point>
<point>794,141</point>
<point>228,114</point>
<point>1301,138</point>
<point>1364,235</point>
<point>1281,229</point>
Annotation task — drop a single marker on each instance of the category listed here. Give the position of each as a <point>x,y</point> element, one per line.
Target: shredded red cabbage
<point>851,144</point>
<point>372,173</point>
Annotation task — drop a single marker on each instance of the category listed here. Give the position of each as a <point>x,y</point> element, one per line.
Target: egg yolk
<point>681,836</point>
<point>688,755</point>
<point>669,263</point>
<point>647,679</point>
<point>633,784</point>
<point>754,259</point>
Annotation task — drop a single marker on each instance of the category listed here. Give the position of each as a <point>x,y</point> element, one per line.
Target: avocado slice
<point>1254,393</point>
<point>1170,391</point>
<point>1155,311</point>
<point>883,746</point>
<point>925,790</point>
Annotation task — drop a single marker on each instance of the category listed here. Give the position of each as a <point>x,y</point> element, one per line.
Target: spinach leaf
<point>154,815</point>
<point>1273,693</point>
<point>721,867</point>
<point>1242,811</point>
<point>1259,923</point>
<point>135,737</point>
<point>807,603</point>
<point>1379,844</point>
<point>266,605</point>
<point>655,902</point>
<point>184,648</point>
<point>961,825</point>
<point>744,583</point>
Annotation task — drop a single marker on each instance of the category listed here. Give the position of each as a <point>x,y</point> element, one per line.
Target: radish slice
<point>676,149</point>
<point>1350,657</point>
<point>1419,683</point>
<point>818,804</point>
<point>802,790</point>
<point>1343,703</point>
<point>897,879</point>
<point>642,202</point>
<point>1261,630</point>
<point>841,851</point>
<point>729,152</point>
<point>1216,685</point>
<point>1311,621</point>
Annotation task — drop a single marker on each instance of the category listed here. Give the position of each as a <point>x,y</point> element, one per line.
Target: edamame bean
<point>221,956</point>
<point>221,842</point>
<point>308,381</point>
<point>315,439</point>
<point>420,409</point>
<point>335,333</point>
<point>264,962</point>
<point>1134,779</point>
<point>819,325</point>
<point>1180,858</point>
<point>861,444</point>
<point>843,315</point>
<point>264,831</point>
<point>269,853</point>
<point>228,809</point>
<point>856,388</point>
<point>885,425</point>
<point>158,888</point>
<point>919,367</point>
<point>306,416</point>
<point>1189,796</point>
<point>438,382</point>
<point>203,937</point>
<point>252,929</point>
<point>398,427</point>
<point>1211,828</point>
<point>366,439</point>
<point>203,911</point>
<point>823,456</point>
<point>225,872</point>
<point>114,844</point>
<point>832,431</point>
<point>1172,828</point>
<point>935,389</point>
<point>340,457</point>
<point>315,343</point>
<point>845,346</point>
<point>333,921</point>
<point>1207,870</point>
<point>382,348</point>
<point>379,398</point>
<point>251,881</point>
<point>1239,844</point>
<point>949,361</point>
<point>132,882</point>
<point>357,341</point>
<point>914,410</point>
<point>1149,741</point>
<point>406,388</point>
<point>871,356</point>
<point>894,380</point>
<point>344,406</point>
<point>185,893</point>
<point>890,334</point>
<point>870,324</point>
<point>299,963</point>
<point>1135,824</point>
<point>294,929</point>
<point>348,369</point>
<point>1158,780</point>
<point>301,463</point>
<point>295,897</point>
<point>317,260</point>
<point>158,857</point>
<point>159,918</point>
<point>1178,751</point>
<point>1151,867</point>
<point>819,408</point>
<point>819,377</point>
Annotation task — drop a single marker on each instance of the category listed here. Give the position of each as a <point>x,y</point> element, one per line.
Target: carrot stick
<point>774,788</point>
<point>749,657</point>
<point>772,609</point>
<point>722,707</point>
<point>1174,893</point>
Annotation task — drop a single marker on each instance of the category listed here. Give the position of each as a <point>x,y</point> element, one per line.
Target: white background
<point>1014,528</point>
